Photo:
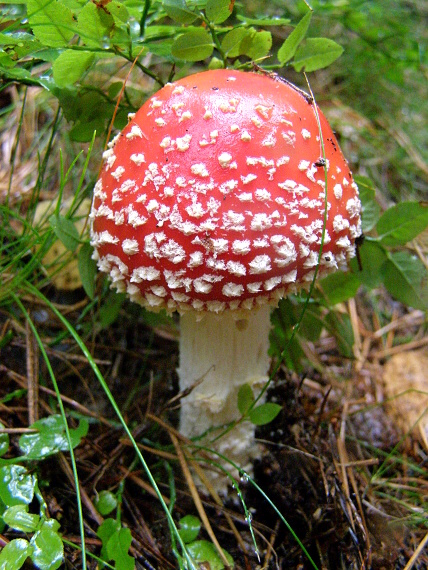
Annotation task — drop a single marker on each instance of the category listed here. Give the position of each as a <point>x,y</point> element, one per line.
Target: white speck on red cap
<point>135,132</point>
<point>225,159</point>
<point>289,137</point>
<point>130,246</point>
<point>137,158</point>
<point>183,143</point>
<point>199,169</point>
<point>260,264</point>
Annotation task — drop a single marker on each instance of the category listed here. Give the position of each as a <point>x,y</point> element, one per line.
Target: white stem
<point>219,355</point>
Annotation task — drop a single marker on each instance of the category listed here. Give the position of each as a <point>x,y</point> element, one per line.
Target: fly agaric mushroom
<point>211,203</point>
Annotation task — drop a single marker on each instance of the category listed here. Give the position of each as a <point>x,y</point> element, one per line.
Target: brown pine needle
<point>417,552</point>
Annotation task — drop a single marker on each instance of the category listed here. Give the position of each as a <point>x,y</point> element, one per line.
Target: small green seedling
<point>115,538</point>
<point>202,551</point>
<point>258,415</point>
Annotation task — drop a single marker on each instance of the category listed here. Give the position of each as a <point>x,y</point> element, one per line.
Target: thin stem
<point>146,9</point>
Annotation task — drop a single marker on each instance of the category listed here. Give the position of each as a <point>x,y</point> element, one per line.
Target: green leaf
<point>232,41</point>
<point>257,45</point>
<point>370,208</point>
<point>22,43</point>
<point>17,74</point>
<point>406,278</point>
<point>16,485</point>
<point>311,325</point>
<point>317,53</point>
<point>193,46</point>
<point>402,223</point>
<point>179,11</point>
<point>105,531</point>
<point>340,326</point>
<point>289,47</point>
<point>14,554</point>
<point>87,269</point>
<point>52,22</point>
<point>117,549</point>
<point>12,395</point>
<point>51,437</point>
<point>245,399</point>
<point>83,131</point>
<point>264,414</point>
<point>217,11</point>
<point>263,22</point>
<point>372,257</point>
<point>70,66</point>
<point>4,441</point>
<point>283,320</point>
<point>189,528</point>
<point>48,551</point>
<point>339,287</point>
<point>51,523</point>
<point>215,63</point>
<point>204,551</point>
<point>18,518</point>
<point>65,231</point>
<point>109,310</point>
<point>106,502</point>
<point>2,523</point>
<point>118,11</point>
<point>94,25</point>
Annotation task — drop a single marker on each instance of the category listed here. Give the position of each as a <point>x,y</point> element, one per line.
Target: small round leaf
<point>18,518</point>
<point>189,528</point>
<point>4,441</point>
<point>48,551</point>
<point>16,485</point>
<point>106,502</point>
<point>245,398</point>
<point>14,554</point>
<point>264,414</point>
<point>217,11</point>
<point>193,46</point>
<point>204,551</point>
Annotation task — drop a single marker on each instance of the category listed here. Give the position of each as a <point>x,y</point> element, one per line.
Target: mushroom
<point>211,203</point>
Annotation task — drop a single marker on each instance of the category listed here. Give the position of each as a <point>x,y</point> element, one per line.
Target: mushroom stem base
<point>217,356</point>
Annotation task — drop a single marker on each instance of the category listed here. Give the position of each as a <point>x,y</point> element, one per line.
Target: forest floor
<point>345,461</point>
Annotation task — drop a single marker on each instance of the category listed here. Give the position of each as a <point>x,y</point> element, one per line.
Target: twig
<point>413,318</point>
<point>18,430</point>
<point>32,355</point>
<point>270,549</point>
<point>417,552</point>
<point>400,348</point>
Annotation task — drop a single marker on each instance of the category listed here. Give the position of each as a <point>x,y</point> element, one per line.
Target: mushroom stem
<point>218,354</point>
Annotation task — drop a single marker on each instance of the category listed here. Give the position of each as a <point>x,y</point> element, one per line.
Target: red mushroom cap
<point>212,197</point>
